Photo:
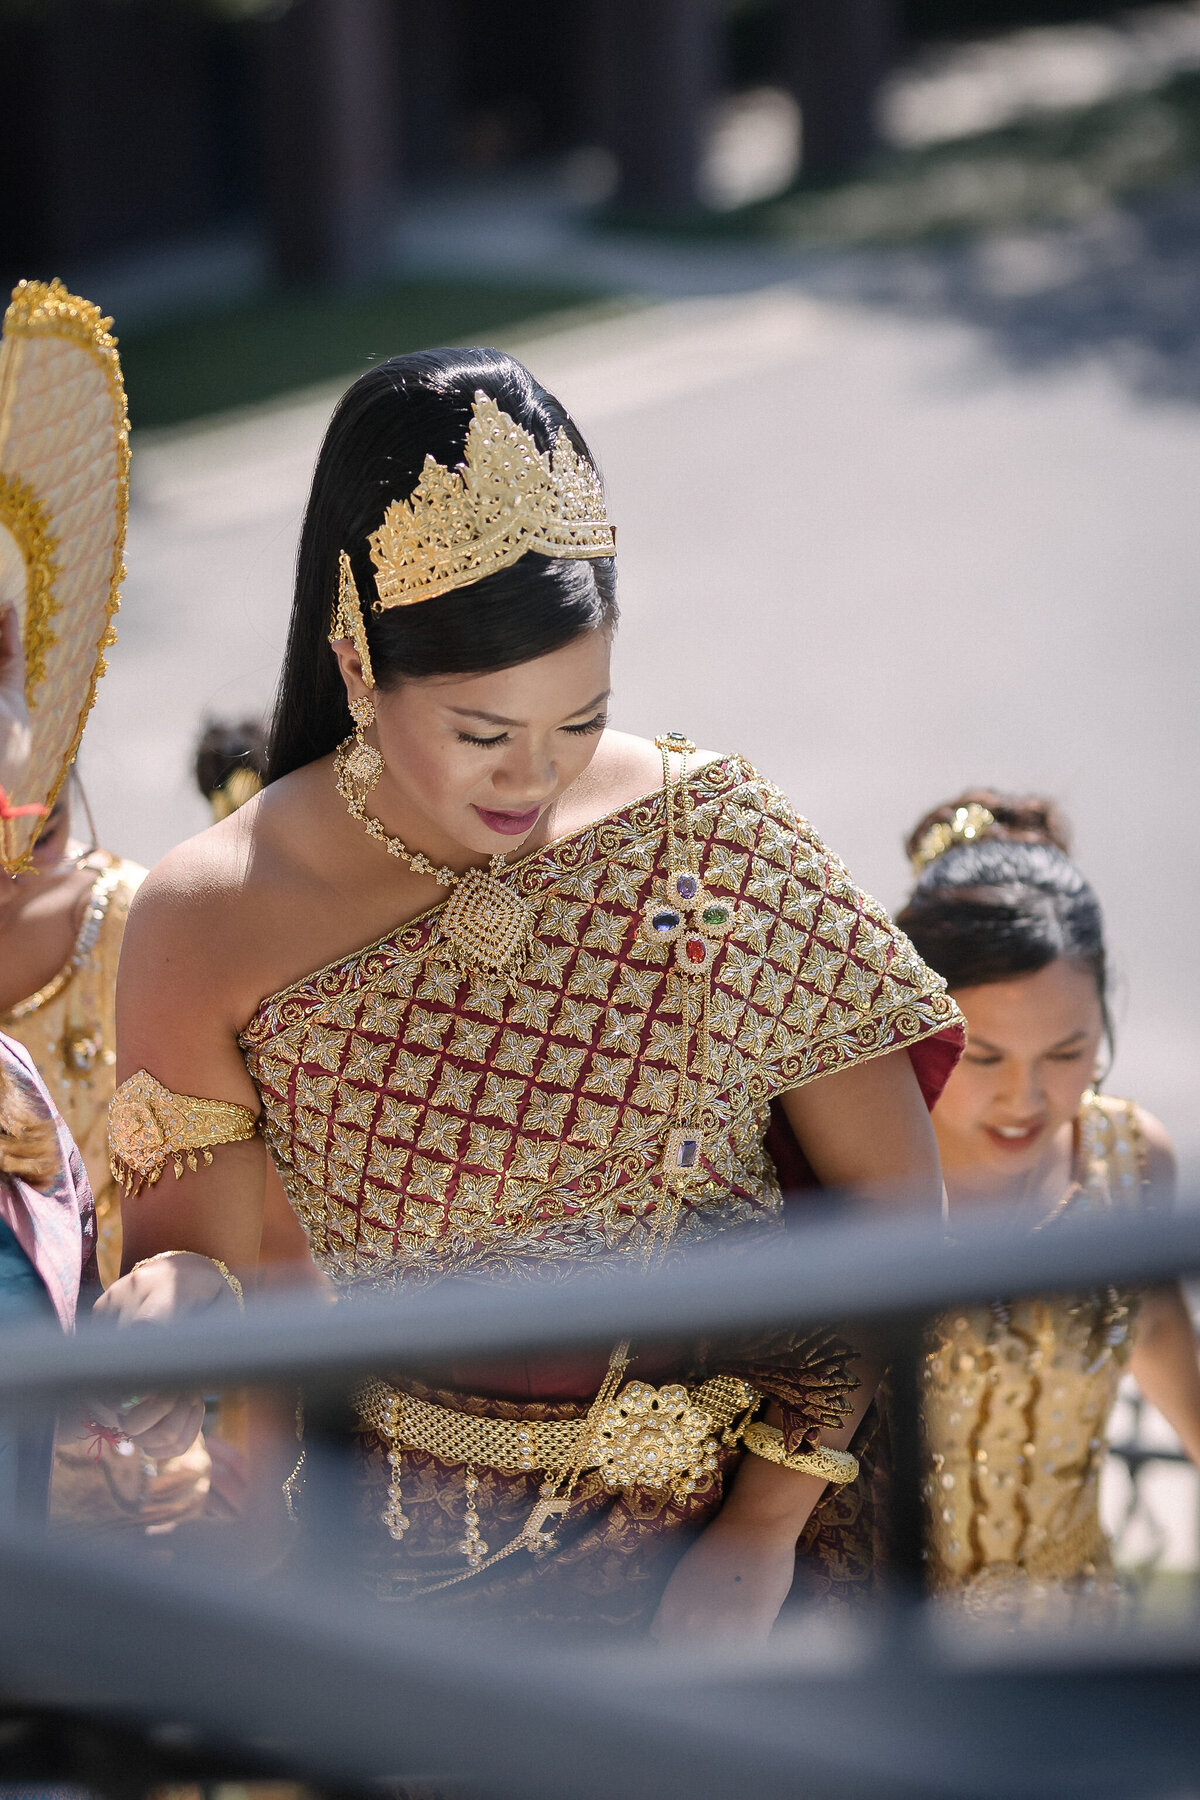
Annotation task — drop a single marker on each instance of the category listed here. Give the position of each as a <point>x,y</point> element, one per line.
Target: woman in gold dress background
<point>462,1065</point>
<point>1018,1394</point>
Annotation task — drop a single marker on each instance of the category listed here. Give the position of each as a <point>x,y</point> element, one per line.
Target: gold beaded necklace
<point>486,924</point>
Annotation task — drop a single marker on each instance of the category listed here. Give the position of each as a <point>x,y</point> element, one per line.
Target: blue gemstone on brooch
<point>665,921</point>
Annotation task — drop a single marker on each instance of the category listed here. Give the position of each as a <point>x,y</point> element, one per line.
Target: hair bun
<point>1018,818</point>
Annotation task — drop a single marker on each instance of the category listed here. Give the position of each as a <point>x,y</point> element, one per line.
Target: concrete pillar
<point>330,137</point>
<point>654,71</point>
<point>835,54</point>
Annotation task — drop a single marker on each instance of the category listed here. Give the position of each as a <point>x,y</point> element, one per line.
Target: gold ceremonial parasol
<point>64,494</point>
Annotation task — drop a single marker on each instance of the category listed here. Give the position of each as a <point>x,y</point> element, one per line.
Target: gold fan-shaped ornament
<point>64,497</point>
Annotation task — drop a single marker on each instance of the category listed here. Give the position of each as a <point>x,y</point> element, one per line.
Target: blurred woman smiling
<point>1018,1395</point>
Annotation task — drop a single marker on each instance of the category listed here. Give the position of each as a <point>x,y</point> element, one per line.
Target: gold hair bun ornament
<point>504,499</point>
<point>968,825</point>
<point>238,786</point>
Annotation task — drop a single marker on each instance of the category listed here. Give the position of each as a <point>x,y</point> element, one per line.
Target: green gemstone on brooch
<point>716,919</point>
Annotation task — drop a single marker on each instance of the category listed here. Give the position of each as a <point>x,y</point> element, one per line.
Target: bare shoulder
<point>624,769</point>
<point>194,883</point>
<point>1160,1156</point>
<point>221,881</point>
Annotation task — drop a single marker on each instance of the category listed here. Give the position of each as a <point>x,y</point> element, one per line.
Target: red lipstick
<point>510,824</point>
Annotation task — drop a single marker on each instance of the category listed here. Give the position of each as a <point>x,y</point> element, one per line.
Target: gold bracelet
<point>223,1270</point>
<point>834,1466</point>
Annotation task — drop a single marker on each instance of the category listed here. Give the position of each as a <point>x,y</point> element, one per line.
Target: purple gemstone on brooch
<point>687,886</point>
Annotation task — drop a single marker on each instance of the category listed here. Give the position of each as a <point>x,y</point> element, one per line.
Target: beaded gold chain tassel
<point>695,922</point>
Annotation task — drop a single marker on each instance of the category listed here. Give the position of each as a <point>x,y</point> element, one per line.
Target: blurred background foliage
<point>239,179</point>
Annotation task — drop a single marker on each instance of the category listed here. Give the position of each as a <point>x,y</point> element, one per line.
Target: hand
<point>165,1288</point>
<point>161,1425</point>
<point>14,715</point>
<point>729,1585</point>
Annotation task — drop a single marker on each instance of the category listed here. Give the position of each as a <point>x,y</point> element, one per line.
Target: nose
<point>525,776</point>
<point>1024,1094</point>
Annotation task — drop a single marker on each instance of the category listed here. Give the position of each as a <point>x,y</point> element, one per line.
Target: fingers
<point>172,1431</point>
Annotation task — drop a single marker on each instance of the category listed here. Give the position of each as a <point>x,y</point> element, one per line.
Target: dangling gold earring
<point>364,765</point>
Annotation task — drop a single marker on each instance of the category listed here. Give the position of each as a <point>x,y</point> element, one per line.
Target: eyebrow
<point>978,1043</point>
<point>465,712</point>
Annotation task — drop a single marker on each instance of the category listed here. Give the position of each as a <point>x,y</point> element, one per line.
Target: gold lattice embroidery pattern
<point>30,527</point>
<point>425,1122</point>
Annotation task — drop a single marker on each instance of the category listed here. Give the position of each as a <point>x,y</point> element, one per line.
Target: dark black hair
<point>226,745</point>
<point>384,427</point>
<point>1007,903</point>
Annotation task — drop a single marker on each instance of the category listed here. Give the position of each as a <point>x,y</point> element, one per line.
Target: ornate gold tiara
<point>505,498</point>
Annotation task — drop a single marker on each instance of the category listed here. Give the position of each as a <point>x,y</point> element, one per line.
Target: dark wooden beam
<point>330,136</point>
<point>654,75</point>
<point>835,54</point>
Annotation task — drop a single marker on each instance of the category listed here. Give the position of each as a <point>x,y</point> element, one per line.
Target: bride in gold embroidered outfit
<point>1018,1395</point>
<point>500,989</point>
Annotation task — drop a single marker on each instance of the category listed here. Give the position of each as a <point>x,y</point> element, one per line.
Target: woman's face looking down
<point>474,761</point>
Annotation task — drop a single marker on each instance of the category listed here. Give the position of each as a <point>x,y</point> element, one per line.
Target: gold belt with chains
<point>664,1437</point>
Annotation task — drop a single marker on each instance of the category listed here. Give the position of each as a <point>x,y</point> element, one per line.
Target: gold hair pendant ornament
<point>347,620</point>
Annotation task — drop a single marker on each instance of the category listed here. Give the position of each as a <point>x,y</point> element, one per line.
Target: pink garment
<point>56,1225</point>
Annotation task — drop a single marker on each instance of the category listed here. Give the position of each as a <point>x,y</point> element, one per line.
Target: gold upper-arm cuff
<point>149,1127</point>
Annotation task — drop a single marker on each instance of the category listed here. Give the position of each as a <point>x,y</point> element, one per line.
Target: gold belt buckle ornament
<point>655,1438</point>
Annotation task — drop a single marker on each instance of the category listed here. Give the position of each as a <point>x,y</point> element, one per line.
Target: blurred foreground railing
<point>193,1672</point>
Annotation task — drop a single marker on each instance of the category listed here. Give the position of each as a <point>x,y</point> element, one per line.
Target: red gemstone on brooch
<point>694,953</point>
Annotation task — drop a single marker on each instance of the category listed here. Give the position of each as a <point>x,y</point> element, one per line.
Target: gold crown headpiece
<point>968,824</point>
<point>504,499</point>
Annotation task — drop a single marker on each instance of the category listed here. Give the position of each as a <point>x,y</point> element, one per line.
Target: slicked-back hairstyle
<point>1007,903</point>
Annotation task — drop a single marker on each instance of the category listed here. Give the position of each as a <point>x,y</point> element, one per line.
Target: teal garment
<point>25,1450</point>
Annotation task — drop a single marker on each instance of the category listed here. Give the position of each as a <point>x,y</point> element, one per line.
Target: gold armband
<point>149,1127</point>
<point>835,1466</point>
